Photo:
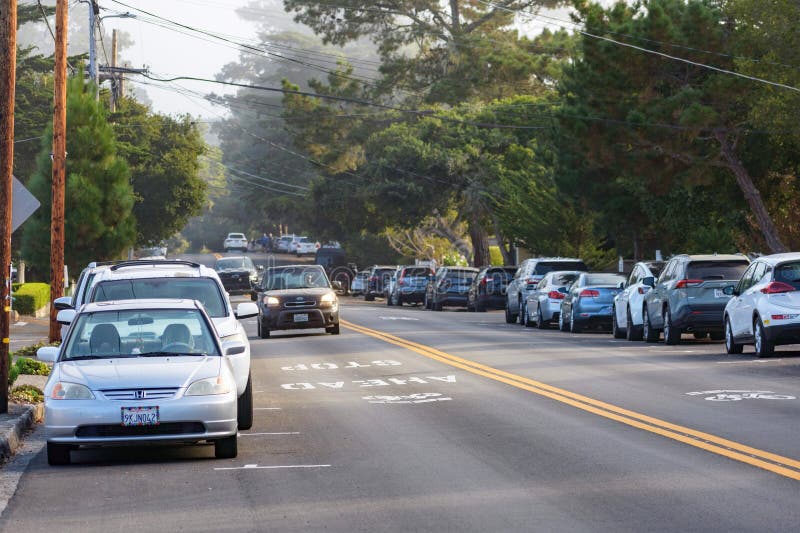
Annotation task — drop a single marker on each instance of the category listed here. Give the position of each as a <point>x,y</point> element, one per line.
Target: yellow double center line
<point>778,464</point>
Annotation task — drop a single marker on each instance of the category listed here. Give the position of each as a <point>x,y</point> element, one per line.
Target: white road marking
<point>398,318</point>
<point>277,433</point>
<point>738,395</point>
<point>266,408</point>
<point>367,383</point>
<point>256,467</point>
<point>751,361</point>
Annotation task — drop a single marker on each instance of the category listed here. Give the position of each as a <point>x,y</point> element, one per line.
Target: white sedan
<point>235,241</point>
<point>140,371</point>
<point>627,317</point>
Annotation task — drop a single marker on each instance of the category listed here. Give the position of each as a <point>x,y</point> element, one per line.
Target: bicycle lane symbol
<point>738,395</point>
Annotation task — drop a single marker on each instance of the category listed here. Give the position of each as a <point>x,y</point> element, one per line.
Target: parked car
<point>296,297</point>
<point>238,274</point>
<point>359,284</point>
<point>627,318</point>
<point>388,286</point>
<point>305,246</point>
<point>527,276</point>
<point>176,279</point>
<point>409,285</point>
<point>377,280</point>
<point>292,247</point>
<point>449,287</point>
<point>689,297</point>
<point>488,289</point>
<point>137,372</point>
<point>81,293</point>
<point>588,301</point>
<point>283,243</point>
<point>765,306</point>
<point>543,306</point>
<point>235,241</point>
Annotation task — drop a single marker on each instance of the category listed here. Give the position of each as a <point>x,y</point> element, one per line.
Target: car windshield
<point>416,272</point>
<point>234,263</point>
<point>789,273</point>
<point>604,279</point>
<point>204,290</point>
<point>710,270</point>
<point>656,268</point>
<point>295,278</point>
<point>139,333</point>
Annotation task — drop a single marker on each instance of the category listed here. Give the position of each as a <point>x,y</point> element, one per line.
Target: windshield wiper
<point>166,354</point>
<point>85,357</point>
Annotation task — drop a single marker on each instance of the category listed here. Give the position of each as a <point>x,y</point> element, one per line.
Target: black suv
<point>377,280</point>
<point>449,287</point>
<point>238,274</point>
<point>409,286</point>
<point>488,289</point>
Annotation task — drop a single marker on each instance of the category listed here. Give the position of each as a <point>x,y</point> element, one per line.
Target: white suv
<point>134,280</point>
<point>628,304</point>
<point>235,241</point>
<point>765,308</point>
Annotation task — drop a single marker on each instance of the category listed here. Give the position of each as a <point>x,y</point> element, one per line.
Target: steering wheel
<point>177,347</point>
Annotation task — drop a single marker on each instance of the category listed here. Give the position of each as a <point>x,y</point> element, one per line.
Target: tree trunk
<point>480,242</point>
<point>751,194</point>
<point>501,241</point>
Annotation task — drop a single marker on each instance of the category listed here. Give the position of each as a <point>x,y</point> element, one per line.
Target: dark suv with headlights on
<point>296,297</point>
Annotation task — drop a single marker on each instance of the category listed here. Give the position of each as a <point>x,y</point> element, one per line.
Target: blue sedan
<point>589,302</point>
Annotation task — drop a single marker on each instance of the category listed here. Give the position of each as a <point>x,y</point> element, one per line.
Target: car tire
<point>333,330</point>
<point>510,318</point>
<point>672,335</point>
<point>244,406</point>
<point>717,335</point>
<point>526,319</point>
<point>263,329</point>
<point>574,327</point>
<point>479,308</point>
<point>522,311</point>
<point>632,333</point>
<point>764,348</point>
<point>437,306</point>
<point>648,333</point>
<point>730,345</point>
<point>389,300</point>
<point>369,297</point>
<point>562,326</point>
<point>226,448</point>
<point>615,330</point>
<point>58,454</point>
<point>540,323</point>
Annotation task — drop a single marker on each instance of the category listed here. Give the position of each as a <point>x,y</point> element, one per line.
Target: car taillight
<point>484,281</point>
<point>682,284</point>
<point>643,289</point>
<point>373,278</point>
<point>777,287</point>
<point>590,293</point>
<point>555,295</point>
<point>400,282</point>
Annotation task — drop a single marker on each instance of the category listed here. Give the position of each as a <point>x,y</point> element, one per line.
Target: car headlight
<point>209,386</point>
<point>328,299</point>
<point>271,301</point>
<point>235,337</point>
<point>64,390</point>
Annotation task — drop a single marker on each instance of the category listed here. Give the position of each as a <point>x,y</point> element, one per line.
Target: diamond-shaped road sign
<point>23,204</point>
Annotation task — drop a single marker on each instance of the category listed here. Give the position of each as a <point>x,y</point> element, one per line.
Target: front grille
<point>300,303</point>
<point>139,394</point>
<point>116,430</point>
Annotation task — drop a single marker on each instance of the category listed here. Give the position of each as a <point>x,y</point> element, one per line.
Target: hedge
<point>30,297</point>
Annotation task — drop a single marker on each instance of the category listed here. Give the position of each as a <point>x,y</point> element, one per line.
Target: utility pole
<point>115,81</point>
<point>8,68</point>
<point>94,10</point>
<point>59,157</point>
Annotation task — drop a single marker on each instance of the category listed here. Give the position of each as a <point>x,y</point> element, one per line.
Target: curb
<point>19,419</point>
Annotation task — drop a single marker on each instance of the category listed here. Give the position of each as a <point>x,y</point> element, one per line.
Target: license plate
<point>719,294</point>
<point>140,416</point>
<point>301,317</point>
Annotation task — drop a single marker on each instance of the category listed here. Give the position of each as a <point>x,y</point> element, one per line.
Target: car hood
<point>294,293</point>
<point>235,271</point>
<point>144,372</point>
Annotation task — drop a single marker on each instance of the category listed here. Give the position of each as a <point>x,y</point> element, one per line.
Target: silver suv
<point>528,276</point>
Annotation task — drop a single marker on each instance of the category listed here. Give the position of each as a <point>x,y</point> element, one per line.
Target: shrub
<point>31,367</point>
<point>30,351</point>
<point>26,394</point>
<point>13,371</point>
<point>30,297</point>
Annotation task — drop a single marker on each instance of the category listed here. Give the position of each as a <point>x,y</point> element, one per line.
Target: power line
<point>256,176</point>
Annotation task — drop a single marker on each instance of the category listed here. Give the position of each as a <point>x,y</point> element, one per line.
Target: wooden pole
<point>114,76</point>
<point>8,67</point>
<point>59,166</point>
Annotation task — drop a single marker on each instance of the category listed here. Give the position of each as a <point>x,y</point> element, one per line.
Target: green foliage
<point>30,350</point>
<point>98,198</point>
<point>30,297</point>
<point>13,371</point>
<point>32,367</point>
<point>26,394</point>
<point>495,256</point>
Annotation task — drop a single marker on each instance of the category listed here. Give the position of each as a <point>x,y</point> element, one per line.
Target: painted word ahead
<point>364,383</point>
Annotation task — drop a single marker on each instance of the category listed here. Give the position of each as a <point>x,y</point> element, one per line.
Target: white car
<point>544,303</point>
<point>292,248</point>
<point>128,280</point>
<point>140,371</point>
<point>235,241</point>
<point>765,308</point>
<point>283,243</point>
<point>305,246</point>
<point>628,304</point>
<point>78,298</point>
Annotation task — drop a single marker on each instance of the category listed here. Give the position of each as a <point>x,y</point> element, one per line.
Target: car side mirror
<point>649,281</point>
<point>233,347</point>
<point>246,310</point>
<point>66,316</point>
<point>48,354</point>
<point>621,285</point>
<point>730,290</point>
<point>65,302</point>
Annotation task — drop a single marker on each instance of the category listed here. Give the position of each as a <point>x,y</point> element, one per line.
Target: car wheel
<point>649,334</point>
<point>562,326</point>
<point>540,323</point>
<point>226,448</point>
<point>764,348</point>
<point>521,311</point>
<point>389,300</point>
<point>479,308</point>
<point>618,333</point>
<point>333,330</point>
<point>369,297</point>
<point>510,318</point>
<point>574,327</point>
<point>672,335</point>
<point>527,322</point>
<point>263,329</point>
<point>398,300</point>
<point>58,454</point>
<point>437,306</point>
<point>244,406</point>
<point>632,333</point>
<point>730,345</point>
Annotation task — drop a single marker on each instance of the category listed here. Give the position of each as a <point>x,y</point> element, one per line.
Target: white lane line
<point>747,362</point>
<point>256,467</point>
<point>266,408</point>
<point>277,433</point>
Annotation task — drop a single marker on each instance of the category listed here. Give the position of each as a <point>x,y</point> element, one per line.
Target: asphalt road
<point>413,420</point>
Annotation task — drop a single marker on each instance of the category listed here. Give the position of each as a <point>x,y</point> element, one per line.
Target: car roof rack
<point>95,264</point>
<point>154,262</point>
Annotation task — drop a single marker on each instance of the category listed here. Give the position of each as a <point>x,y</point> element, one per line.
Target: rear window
<point>504,274</point>
<point>656,268</point>
<point>789,273</point>
<point>236,235</point>
<point>562,280</point>
<point>416,272</point>
<point>204,290</point>
<point>544,267</point>
<point>710,270</point>
<point>461,274</point>
<point>604,279</point>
